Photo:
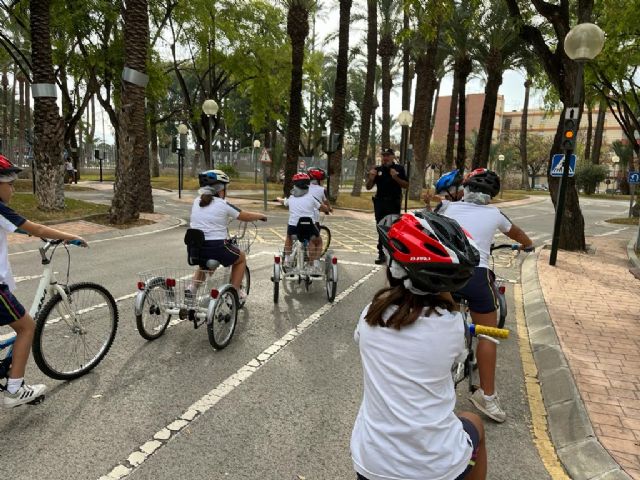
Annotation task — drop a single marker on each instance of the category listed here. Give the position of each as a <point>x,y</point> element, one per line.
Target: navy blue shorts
<point>474,436</point>
<point>480,292</point>
<point>10,308</point>
<point>293,230</point>
<point>220,250</point>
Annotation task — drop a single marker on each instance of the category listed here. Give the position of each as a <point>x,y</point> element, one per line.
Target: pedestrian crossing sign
<point>557,165</point>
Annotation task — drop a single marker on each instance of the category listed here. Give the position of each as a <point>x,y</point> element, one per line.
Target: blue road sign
<point>634,178</point>
<point>557,165</point>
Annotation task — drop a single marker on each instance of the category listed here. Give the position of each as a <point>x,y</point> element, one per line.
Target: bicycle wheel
<point>331,285</point>
<point>325,234</point>
<point>502,310</point>
<point>245,286</point>
<point>276,282</point>
<point>153,320</point>
<point>75,333</point>
<point>222,317</point>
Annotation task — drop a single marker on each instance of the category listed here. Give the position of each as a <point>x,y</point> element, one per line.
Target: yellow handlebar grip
<point>491,331</point>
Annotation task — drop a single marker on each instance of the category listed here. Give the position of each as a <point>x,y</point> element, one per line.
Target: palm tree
<point>340,98</point>
<point>298,30</point>
<point>48,125</point>
<point>133,183</point>
<point>387,50</point>
<point>368,100</point>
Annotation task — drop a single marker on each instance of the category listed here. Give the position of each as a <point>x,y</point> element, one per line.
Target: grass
<point>623,221</point>
<point>27,206</point>
<point>25,185</point>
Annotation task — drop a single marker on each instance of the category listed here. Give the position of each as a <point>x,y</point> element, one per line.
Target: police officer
<point>390,178</point>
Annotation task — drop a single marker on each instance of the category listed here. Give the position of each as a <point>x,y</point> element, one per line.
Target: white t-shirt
<point>318,192</point>
<point>406,428</point>
<point>10,221</point>
<point>481,221</point>
<point>213,218</point>
<point>304,206</point>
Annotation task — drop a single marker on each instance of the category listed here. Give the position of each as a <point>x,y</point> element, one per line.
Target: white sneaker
<point>491,408</point>
<point>242,297</point>
<point>25,394</point>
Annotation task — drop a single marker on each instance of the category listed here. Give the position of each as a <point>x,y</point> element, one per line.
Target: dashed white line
<point>162,437</point>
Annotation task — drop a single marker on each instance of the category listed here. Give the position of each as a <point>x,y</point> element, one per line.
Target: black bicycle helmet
<point>483,180</point>
<point>431,253</point>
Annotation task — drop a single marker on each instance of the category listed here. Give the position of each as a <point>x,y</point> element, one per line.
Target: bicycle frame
<point>48,284</point>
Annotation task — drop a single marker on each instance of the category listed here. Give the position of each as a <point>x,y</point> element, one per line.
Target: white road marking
<point>525,216</point>
<point>612,232</point>
<point>26,278</point>
<point>196,410</point>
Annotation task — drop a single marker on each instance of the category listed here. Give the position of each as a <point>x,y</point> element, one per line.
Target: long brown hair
<point>205,200</point>
<point>410,306</point>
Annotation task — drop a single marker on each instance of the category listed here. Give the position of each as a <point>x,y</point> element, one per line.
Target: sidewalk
<point>584,321</point>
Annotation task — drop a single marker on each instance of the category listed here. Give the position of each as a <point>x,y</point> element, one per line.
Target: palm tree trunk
<point>297,29</point>
<point>464,72</point>
<point>524,127</point>
<point>48,125</point>
<point>587,148</point>
<point>386,50</point>
<point>5,111</point>
<point>155,165</point>
<point>340,98</point>
<point>599,132</point>
<point>453,120</point>
<point>485,131</point>
<point>132,189</point>
<point>367,101</point>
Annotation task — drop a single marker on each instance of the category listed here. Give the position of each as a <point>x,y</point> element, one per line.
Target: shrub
<point>229,170</point>
<point>588,175</point>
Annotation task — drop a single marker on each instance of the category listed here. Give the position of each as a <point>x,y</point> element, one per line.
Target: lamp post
<point>616,183</point>
<point>636,139</point>
<point>501,168</point>
<point>583,43</point>
<point>405,119</point>
<point>182,130</point>
<point>210,109</point>
<point>256,144</point>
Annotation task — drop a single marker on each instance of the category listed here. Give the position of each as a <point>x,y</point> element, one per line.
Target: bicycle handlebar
<point>514,246</point>
<point>489,331</point>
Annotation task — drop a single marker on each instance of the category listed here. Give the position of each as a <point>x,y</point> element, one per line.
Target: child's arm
<point>42,231</point>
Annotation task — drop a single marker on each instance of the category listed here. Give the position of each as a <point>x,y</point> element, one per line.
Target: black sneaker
<point>381,261</point>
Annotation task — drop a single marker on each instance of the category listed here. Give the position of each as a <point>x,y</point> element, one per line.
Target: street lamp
<point>182,130</point>
<point>210,108</point>
<point>501,168</point>
<point>615,160</point>
<point>405,119</point>
<point>256,144</point>
<point>583,43</point>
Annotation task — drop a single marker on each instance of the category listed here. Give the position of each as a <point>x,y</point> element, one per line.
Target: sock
<point>316,263</point>
<point>14,384</point>
<point>287,258</point>
<point>489,398</point>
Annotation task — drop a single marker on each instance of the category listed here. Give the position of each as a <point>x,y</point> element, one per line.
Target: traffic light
<point>96,154</point>
<point>174,144</point>
<point>570,129</point>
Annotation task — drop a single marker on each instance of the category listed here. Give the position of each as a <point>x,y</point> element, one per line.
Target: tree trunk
<point>368,100</point>
<point>386,50</point>
<point>21,118</point>
<point>426,83</point>
<point>485,131</point>
<point>435,104</point>
<point>453,121</point>
<point>340,99</point>
<point>48,125</point>
<point>587,148</point>
<point>464,72</point>
<point>297,29</point>
<point>524,126</point>
<point>132,189</point>
<point>154,163</point>
<point>599,132</point>
<point>5,111</point>
<point>12,118</point>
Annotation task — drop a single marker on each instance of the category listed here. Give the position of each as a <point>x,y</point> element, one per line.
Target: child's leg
<point>237,271</point>
<point>196,281</point>
<point>24,328</point>
<point>479,470</point>
<point>287,245</point>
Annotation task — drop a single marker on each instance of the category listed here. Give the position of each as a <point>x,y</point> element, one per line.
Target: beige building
<point>473,105</point>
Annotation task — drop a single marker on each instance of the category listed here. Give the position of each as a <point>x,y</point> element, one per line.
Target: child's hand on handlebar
<point>79,241</point>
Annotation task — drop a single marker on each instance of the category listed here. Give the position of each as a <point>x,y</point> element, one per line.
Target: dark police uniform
<point>388,197</point>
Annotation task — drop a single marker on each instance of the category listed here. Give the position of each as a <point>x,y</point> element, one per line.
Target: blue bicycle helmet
<point>448,180</point>
<point>213,177</point>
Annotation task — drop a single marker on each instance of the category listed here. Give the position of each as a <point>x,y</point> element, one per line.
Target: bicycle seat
<point>306,229</point>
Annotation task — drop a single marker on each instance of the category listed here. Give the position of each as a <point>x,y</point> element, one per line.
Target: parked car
<point>541,188</point>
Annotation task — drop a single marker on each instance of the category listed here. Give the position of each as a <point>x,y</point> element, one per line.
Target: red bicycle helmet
<point>432,251</point>
<point>301,180</point>
<point>317,174</point>
<point>6,167</point>
<point>483,180</point>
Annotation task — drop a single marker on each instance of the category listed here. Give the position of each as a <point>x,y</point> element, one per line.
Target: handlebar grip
<point>77,243</point>
<point>490,331</point>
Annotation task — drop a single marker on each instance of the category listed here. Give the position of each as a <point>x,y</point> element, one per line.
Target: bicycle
<point>325,235</point>
<point>163,293</point>
<point>300,268</point>
<point>499,282</point>
<point>68,317</point>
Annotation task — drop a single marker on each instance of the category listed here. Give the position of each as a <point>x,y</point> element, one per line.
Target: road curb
<point>578,449</point>
<point>631,252</point>
<point>164,224</point>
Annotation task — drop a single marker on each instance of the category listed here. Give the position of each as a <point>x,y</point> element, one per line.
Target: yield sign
<point>264,156</point>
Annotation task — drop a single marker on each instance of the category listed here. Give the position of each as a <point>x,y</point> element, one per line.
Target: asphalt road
<point>287,417</point>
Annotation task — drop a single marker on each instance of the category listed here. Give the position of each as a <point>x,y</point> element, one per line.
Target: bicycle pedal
<point>36,400</point>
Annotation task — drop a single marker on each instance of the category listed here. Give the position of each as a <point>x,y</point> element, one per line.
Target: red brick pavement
<point>593,302</point>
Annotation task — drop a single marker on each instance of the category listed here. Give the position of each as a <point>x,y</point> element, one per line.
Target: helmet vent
<point>395,243</point>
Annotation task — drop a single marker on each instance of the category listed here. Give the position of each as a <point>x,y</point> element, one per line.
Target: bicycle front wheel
<point>325,235</point>
<point>502,310</point>
<point>152,321</point>
<point>74,333</point>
